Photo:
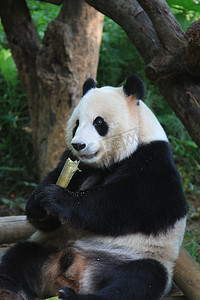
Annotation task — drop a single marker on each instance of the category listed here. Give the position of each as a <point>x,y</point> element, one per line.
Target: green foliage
<point>16,154</point>
<point>186,12</point>
<point>8,68</point>
<point>118,56</point>
<point>17,203</point>
<point>42,13</point>
<point>192,244</point>
<point>188,5</point>
<point>187,157</point>
<point>15,135</point>
<point>3,38</point>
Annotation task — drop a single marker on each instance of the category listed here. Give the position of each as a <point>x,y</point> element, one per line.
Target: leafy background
<point>118,58</point>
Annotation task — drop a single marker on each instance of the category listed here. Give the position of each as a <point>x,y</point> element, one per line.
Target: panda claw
<point>66,293</point>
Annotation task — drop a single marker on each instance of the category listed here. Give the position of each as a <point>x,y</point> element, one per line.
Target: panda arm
<point>146,203</point>
<point>35,212</point>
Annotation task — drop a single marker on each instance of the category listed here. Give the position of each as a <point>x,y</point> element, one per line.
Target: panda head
<point>105,126</point>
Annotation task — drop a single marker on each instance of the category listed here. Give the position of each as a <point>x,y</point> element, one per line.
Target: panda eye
<point>101,126</point>
<point>75,128</point>
<point>98,121</point>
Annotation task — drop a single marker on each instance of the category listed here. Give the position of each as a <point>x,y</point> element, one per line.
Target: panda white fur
<point>115,232</point>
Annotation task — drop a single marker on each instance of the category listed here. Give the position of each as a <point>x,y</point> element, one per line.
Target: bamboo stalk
<point>70,167</point>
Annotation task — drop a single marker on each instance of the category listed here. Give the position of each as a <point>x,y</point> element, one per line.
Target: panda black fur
<point>115,232</point>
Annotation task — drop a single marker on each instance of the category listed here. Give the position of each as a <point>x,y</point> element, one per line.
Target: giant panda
<point>115,232</point>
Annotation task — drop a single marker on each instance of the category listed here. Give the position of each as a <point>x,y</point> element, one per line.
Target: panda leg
<point>20,271</point>
<point>137,280</point>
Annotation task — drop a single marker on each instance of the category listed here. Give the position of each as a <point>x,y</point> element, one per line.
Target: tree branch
<point>182,93</point>
<point>135,22</point>
<point>167,28</point>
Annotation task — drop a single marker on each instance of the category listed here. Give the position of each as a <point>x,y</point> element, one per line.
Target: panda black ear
<point>134,86</point>
<point>89,84</point>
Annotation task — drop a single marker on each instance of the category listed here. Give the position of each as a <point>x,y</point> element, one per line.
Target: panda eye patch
<point>101,126</point>
<point>75,128</point>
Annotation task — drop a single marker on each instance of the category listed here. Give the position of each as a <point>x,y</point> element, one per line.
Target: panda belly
<point>164,247</point>
<point>85,263</point>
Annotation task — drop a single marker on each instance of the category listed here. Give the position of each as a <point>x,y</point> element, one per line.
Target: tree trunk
<point>53,74</point>
<point>172,57</point>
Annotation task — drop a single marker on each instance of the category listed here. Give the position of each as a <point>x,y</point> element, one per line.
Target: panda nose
<point>78,146</point>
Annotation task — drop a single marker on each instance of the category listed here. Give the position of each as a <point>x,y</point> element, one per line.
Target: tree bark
<point>167,52</point>
<point>53,74</point>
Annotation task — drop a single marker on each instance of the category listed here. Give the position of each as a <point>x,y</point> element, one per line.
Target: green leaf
<point>186,4</point>
<point>7,67</point>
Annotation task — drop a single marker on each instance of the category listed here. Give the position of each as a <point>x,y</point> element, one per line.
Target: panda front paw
<point>34,209</point>
<point>66,293</point>
<point>45,201</point>
<point>54,200</point>
<point>46,206</point>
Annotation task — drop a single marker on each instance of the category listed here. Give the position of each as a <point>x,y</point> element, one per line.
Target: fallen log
<point>15,228</point>
<point>187,275</point>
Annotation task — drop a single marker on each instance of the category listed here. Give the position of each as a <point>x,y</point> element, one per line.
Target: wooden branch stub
<point>13,229</point>
<point>193,49</point>
<point>187,275</point>
<point>166,66</point>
